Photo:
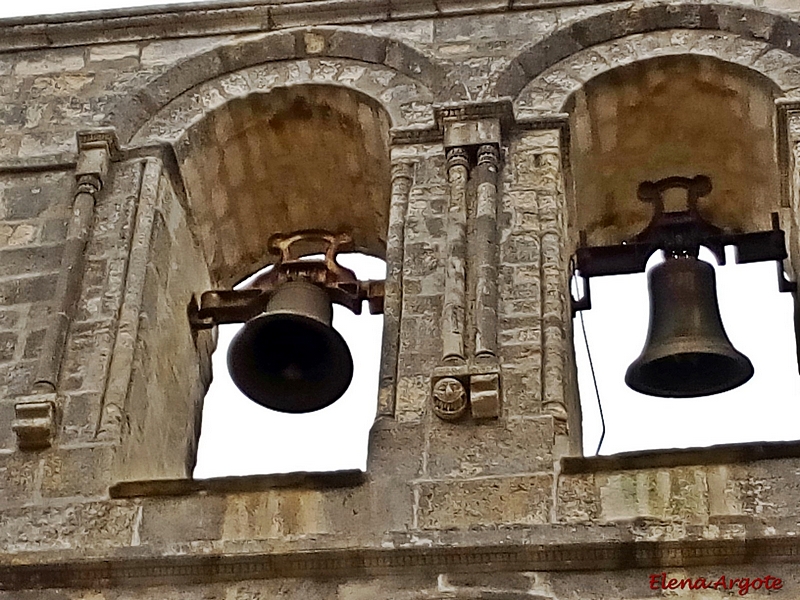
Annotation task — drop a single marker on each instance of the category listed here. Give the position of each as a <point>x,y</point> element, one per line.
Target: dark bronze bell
<point>687,352</point>
<point>289,358</point>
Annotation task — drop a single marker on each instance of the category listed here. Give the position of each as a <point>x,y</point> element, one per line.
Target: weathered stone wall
<point>497,504</point>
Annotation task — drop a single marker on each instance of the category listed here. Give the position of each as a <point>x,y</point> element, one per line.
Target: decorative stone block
<point>472,132</point>
<point>34,422</point>
<point>484,396</point>
<point>449,399</point>
<point>457,387</point>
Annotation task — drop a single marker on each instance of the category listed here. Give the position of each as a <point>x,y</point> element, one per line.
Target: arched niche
<point>300,157</point>
<point>673,116</point>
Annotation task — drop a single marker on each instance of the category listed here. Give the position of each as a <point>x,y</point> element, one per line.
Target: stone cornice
<point>233,17</point>
<point>361,562</point>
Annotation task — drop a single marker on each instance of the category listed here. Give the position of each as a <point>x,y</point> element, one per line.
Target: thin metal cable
<point>596,391</point>
<point>591,367</point>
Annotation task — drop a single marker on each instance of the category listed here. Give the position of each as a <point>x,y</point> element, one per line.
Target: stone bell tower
<point>148,155</point>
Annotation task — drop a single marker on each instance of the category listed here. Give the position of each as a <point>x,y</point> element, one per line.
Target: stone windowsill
<point>680,457</point>
<point>240,484</point>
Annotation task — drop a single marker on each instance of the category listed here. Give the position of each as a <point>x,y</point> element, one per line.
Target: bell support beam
<point>217,307</point>
<point>682,231</point>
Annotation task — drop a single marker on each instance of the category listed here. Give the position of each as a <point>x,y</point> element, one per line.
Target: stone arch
<point>400,78</point>
<point>673,115</point>
<point>547,73</point>
<point>248,173</point>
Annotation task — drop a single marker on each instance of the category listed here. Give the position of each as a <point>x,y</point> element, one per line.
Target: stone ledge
<point>371,562</point>
<point>228,485</point>
<point>680,457</point>
<point>193,19</point>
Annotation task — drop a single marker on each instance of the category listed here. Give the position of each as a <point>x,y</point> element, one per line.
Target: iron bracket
<point>678,232</point>
<point>217,307</point>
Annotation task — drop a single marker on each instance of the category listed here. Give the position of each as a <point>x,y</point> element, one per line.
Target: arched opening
<point>300,158</point>
<point>239,437</point>
<point>680,116</point>
<point>673,116</point>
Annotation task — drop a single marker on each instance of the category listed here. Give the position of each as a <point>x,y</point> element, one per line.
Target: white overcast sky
<point>240,437</point>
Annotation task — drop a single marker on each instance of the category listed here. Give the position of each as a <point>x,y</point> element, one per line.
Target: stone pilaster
<point>36,415</point>
<point>112,413</point>
<point>554,274</point>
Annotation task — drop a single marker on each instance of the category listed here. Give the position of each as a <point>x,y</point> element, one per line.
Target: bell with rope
<point>687,352</point>
<point>290,358</point>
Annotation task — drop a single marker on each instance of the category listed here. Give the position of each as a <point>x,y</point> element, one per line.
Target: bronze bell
<point>289,358</point>
<point>687,352</point>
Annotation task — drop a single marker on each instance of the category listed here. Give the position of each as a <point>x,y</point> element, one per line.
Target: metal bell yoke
<point>287,356</point>
<point>687,352</point>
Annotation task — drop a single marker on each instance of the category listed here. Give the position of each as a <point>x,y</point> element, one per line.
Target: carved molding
<point>116,392</point>
<point>416,135</point>
<point>501,109</point>
<point>360,562</point>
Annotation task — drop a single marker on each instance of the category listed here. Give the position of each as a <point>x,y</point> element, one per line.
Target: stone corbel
<point>36,415</point>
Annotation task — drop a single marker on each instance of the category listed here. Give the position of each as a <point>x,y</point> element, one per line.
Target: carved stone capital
<point>96,149</point>
<point>457,157</point>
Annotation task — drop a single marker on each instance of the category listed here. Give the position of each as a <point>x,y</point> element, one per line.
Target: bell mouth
<point>689,374</point>
<point>290,363</point>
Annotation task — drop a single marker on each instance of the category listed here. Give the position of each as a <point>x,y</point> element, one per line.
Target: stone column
<point>93,160</point>
<point>36,415</point>
<point>453,315</point>
<point>402,177</point>
<point>486,252</point>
